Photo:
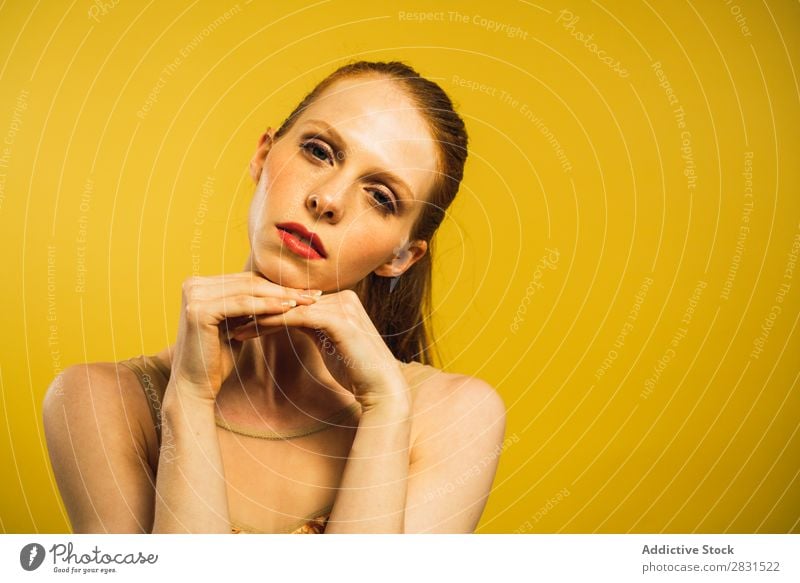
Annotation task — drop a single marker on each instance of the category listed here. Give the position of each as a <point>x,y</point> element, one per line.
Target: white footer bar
<point>406,558</point>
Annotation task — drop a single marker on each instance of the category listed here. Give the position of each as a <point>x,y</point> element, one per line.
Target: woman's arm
<point>98,452</point>
<point>190,485</point>
<point>444,486</point>
<point>372,493</point>
<point>190,488</point>
<point>101,466</point>
<point>455,456</point>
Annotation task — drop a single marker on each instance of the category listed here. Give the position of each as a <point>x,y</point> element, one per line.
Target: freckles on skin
<point>383,132</point>
<point>363,252</point>
<point>356,246</point>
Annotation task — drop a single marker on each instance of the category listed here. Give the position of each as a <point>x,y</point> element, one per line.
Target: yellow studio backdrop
<point>621,262</point>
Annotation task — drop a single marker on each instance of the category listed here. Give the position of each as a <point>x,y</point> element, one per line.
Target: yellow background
<point>710,446</point>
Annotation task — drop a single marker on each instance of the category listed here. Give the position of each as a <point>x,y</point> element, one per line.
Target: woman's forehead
<point>378,104</point>
<point>379,124</point>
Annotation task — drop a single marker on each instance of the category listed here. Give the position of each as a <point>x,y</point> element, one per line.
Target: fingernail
<point>291,303</point>
<point>312,293</point>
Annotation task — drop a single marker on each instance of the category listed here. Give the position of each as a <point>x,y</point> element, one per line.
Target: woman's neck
<point>282,367</point>
<point>282,370</point>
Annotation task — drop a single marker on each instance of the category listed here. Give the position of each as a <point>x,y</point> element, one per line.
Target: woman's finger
<point>243,284</point>
<point>298,316</point>
<point>219,310</point>
<point>253,330</point>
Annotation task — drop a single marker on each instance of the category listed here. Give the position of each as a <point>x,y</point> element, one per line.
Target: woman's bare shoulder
<point>442,399</point>
<point>106,396</point>
<point>100,380</point>
<point>428,382</point>
<point>425,380</point>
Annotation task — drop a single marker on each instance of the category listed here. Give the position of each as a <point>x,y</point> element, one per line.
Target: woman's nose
<point>328,206</point>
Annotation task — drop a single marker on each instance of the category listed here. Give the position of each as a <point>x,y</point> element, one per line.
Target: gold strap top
<point>154,377</point>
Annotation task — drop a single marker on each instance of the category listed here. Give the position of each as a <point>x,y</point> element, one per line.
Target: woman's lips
<point>297,245</point>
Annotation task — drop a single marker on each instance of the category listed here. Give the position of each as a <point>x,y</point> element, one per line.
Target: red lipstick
<point>301,241</point>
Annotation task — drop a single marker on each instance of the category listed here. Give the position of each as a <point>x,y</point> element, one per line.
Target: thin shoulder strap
<point>153,377</point>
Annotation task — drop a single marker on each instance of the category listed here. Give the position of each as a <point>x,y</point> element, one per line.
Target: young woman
<point>299,395</point>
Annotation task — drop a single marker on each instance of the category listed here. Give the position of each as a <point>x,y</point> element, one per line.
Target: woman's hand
<point>210,308</point>
<point>351,347</point>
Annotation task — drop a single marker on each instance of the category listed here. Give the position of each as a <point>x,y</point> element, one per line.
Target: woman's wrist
<point>178,397</point>
<point>391,405</point>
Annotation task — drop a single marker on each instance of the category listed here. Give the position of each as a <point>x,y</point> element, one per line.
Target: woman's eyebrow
<point>383,173</point>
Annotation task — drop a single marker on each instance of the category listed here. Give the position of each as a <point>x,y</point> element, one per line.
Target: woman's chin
<point>285,277</point>
<point>281,270</point>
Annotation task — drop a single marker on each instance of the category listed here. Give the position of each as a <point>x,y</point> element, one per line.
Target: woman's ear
<point>257,162</point>
<point>404,257</point>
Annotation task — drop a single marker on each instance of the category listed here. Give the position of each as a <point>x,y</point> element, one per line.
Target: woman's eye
<point>318,151</point>
<point>385,202</point>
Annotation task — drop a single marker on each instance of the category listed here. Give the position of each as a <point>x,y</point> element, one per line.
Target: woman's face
<point>355,170</point>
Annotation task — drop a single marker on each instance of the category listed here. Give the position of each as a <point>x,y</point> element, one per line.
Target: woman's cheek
<point>366,257</point>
